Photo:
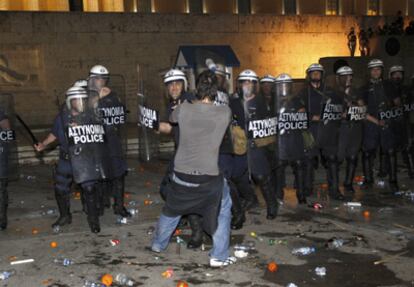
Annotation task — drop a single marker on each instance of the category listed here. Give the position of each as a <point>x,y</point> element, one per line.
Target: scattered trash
<point>114,242</point>
<point>22,261</point>
<point>122,220</point>
<point>241,253</point>
<point>168,273</point>
<point>53,244</point>
<point>35,231</point>
<point>132,203</point>
<point>246,246</point>
<point>320,271</point>
<point>56,229</point>
<point>335,243</point>
<point>385,210</point>
<point>63,261</point>
<point>178,232</point>
<point>179,240</point>
<point>107,279</point>
<point>303,251</point>
<point>4,275</point>
<point>133,211</point>
<point>77,195</point>
<point>274,242</point>
<point>148,202</point>
<point>366,214</point>
<point>49,212</point>
<point>254,235</point>
<point>123,280</point>
<point>316,206</point>
<point>353,204</point>
<point>182,284</point>
<point>93,284</point>
<point>150,230</point>
<point>359,179</point>
<point>28,177</point>
<point>272,267</point>
<point>291,285</point>
<point>209,275</point>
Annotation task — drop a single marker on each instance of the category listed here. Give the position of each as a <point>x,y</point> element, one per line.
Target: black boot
<point>107,193</point>
<point>118,191</point>
<point>383,165</point>
<point>351,163</point>
<point>309,174</point>
<point>265,183</point>
<point>4,202</point>
<point>238,217</point>
<point>408,163</point>
<point>280,179</point>
<point>367,168</point>
<point>63,202</point>
<point>392,163</point>
<point>196,231</point>
<point>91,197</point>
<point>333,179</point>
<point>299,172</point>
<point>100,189</point>
<point>246,191</point>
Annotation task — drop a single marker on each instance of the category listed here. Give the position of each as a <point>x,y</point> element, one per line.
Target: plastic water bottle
<point>303,251</point>
<point>150,230</point>
<point>320,271</point>
<point>63,261</point>
<point>335,243</point>
<point>93,284</point>
<point>123,280</point>
<point>4,275</point>
<point>291,285</point>
<point>122,220</point>
<point>133,211</point>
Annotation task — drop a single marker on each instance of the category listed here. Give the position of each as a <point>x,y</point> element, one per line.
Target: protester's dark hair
<point>207,86</point>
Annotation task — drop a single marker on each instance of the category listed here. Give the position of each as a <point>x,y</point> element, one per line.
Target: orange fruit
<point>53,244</point>
<point>35,231</point>
<point>127,195</point>
<point>272,267</point>
<point>366,214</point>
<point>182,284</point>
<point>324,186</point>
<point>107,279</point>
<point>177,232</point>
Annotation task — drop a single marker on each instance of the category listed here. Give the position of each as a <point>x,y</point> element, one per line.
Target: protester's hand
<point>39,147</point>
<point>316,118</point>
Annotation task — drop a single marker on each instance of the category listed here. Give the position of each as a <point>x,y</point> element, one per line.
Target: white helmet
<point>99,71</point>
<point>283,78</point>
<point>267,79</point>
<point>248,75</point>
<point>221,70</point>
<point>81,84</point>
<point>75,93</point>
<point>396,68</point>
<point>315,67</point>
<point>175,75</point>
<point>375,63</point>
<point>344,71</point>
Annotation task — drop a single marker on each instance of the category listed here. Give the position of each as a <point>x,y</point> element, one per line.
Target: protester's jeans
<point>221,237</point>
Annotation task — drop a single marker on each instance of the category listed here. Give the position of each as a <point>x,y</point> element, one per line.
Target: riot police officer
<point>81,136</point>
<point>7,164</point>
<point>397,89</point>
<point>378,132</point>
<point>248,110</point>
<point>113,113</point>
<point>351,133</point>
<point>325,113</point>
<point>176,85</point>
<point>292,121</point>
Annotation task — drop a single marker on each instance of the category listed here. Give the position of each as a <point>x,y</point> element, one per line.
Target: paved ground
<point>386,234</point>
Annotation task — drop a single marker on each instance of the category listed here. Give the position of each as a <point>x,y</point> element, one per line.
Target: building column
<point>244,6</point>
<point>91,5</point>
<point>144,6</point>
<point>195,6</point>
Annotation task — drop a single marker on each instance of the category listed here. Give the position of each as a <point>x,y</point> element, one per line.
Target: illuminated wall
<point>266,7</point>
<point>170,6</point>
<point>35,5</point>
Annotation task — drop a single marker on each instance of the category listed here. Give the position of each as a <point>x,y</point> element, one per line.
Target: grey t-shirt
<point>202,127</point>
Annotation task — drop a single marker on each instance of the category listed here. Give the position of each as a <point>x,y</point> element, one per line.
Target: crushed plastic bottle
<point>291,285</point>
<point>335,243</point>
<point>353,204</point>
<point>51,211</point>
<point>6,274</point>
<point>133,211</point>
<point>122,220</point>
<point>88,283</point>
<point>320,271</point>
<point>303,251</point>
<point>63,261</point>
<point>123,280</point>
<point>56,229</point>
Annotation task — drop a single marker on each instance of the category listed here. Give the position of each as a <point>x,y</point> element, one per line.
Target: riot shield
<point>9,161</point>
<point>87,146</point>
